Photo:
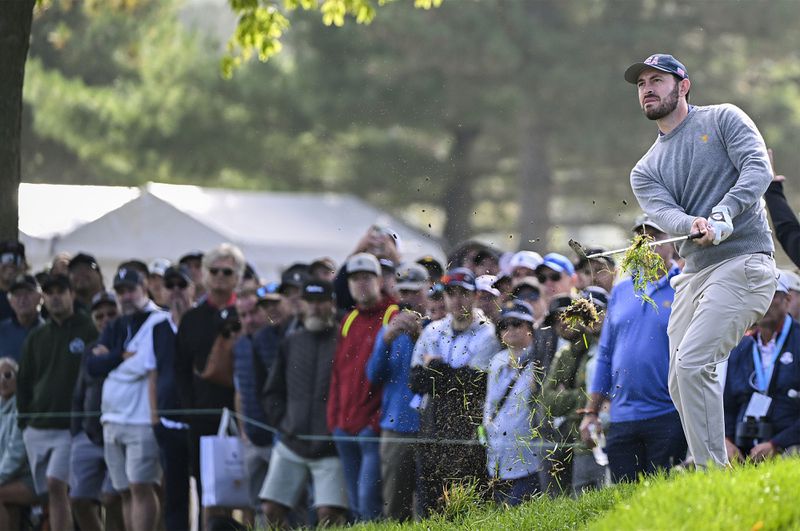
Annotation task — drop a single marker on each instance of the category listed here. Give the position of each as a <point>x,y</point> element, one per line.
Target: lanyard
<point>764,374</point>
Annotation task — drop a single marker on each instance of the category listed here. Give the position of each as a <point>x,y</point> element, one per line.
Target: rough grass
<point>751,497</point>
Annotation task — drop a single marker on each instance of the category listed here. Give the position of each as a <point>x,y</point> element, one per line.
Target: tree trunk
<point>15,32</point>
<point>535,184</point>
<point>458,199</point>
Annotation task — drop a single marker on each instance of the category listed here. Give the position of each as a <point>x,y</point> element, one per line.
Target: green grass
<point>753,498</point>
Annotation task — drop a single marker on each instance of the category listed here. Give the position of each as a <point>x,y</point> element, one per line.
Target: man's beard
<point>666,106</point>
<point>314,323</point>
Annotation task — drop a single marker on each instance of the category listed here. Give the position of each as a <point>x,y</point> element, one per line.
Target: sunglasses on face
<point>182,285</point>
<point>227,271</point>
<point>7,375</point>
<point>555,276</point>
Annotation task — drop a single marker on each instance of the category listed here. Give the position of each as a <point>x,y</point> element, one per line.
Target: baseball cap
<point>461,277</point>
<point>792,279</point>
<point>411,276</point>
<point>194,254</point>
<point>581,262</point>
<point>783,283</point>
<point>12,252</point>
<point>516,309</point>
<point>659,61</point>
<point>135,264</point>
<point>104,297</point>
<point>60,281</point>
<point>558,262</point>
<point>317,290</point>
<point>128,277</point>
<point>558,304</point>
<point>294,276</point>
<point>435,269</point>
<point>270,292</point>
<point>528,259</point>
<point>177,272</point>
<point>24,282</point>
<point>643,220</point>
<point>387,266</point>
<point>323,263</point>
<point>85,259</point>
<point>596,295</point>
<point>486,283</point>
<point>363,262</point>
<point>159,266</point>
<point>527,288</point>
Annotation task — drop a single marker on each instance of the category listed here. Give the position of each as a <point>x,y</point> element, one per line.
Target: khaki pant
<point>712,310</point>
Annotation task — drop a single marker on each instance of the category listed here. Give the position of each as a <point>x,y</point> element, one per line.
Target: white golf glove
<point>720,221</point>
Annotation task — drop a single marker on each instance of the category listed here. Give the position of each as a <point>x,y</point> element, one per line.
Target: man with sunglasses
<point>171,433</point>
<point>49,367</point>
<point>448,373</point>
<point>12,264</point>
<point>204,350</point>
<point>556,275</point>
<point>762,409</point>
<point>631,371</point>
<point>25,299</point>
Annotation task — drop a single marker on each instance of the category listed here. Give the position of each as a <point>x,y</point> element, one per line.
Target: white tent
<point>274,229</point>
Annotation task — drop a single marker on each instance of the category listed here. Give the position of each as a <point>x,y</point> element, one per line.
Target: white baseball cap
<point>792,279</point>
<point>486,283</point>
<point>528,259</point>
<point>363,262</point>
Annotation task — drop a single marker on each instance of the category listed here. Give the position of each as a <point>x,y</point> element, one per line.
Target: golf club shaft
<point>692,236</point>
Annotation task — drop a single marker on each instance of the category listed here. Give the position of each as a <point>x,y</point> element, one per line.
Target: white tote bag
<point>222,470</point>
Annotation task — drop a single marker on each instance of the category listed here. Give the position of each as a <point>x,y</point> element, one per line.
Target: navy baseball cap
<point>127,277</point>
<point>659,61</point>
<point>516,309</point>
<point>318,290</point>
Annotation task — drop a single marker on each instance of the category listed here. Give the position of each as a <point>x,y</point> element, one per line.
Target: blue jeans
<point>642,446</point>
<point>361,461</point>
<point>516,491</point>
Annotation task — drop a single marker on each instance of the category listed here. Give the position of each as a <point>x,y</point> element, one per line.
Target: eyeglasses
<point>505,325</point>
<point>227,271</point>
<point>8,375</point>
<point>182,285</point>
<point>555,276</point>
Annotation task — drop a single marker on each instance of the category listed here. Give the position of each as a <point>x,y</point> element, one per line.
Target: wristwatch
<point>717,216</point>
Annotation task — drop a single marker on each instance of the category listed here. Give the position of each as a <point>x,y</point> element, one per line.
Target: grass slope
<point>750,498</point>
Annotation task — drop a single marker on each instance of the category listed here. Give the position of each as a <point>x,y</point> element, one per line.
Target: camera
<point>229,323</point>
<point>751,428</point>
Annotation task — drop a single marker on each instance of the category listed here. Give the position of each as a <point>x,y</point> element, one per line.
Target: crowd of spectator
<point>363,390</point>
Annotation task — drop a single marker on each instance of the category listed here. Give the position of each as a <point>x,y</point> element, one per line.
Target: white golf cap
<point>792,279</point>
<point>527,259</point>
<point>486,283</point>
<point>159,266</point>
<point>363,262</point>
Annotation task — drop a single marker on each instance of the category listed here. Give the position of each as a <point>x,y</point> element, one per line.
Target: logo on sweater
<point>77,346</point>
<point>704,138</point>
<point>787,358</point>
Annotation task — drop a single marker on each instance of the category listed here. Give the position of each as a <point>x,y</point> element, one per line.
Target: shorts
<point>289,473</point>
<point>88,477</point>
<point>131,454</point>
<point>256,464</point>
<point>48,454</point>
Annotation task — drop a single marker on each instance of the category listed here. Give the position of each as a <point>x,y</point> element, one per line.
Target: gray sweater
<point>716,156</point>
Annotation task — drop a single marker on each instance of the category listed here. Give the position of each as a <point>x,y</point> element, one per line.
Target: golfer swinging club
<point>706,172</point>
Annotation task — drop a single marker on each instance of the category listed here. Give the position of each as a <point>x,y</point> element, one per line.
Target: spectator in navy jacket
<point>765,363</point>
<point>390,366</point>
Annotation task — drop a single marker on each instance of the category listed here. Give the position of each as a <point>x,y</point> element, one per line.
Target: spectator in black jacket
<point>295,400</point>
<point>204,350</point>
<point>784,220</point>
<point>89,482</point>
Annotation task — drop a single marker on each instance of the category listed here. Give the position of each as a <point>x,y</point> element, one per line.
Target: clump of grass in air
<point>581,313</point>
<point>644,265</point>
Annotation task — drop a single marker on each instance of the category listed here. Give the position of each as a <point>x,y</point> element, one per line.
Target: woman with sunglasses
<point>513,455</point>
<point>16,484</point>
